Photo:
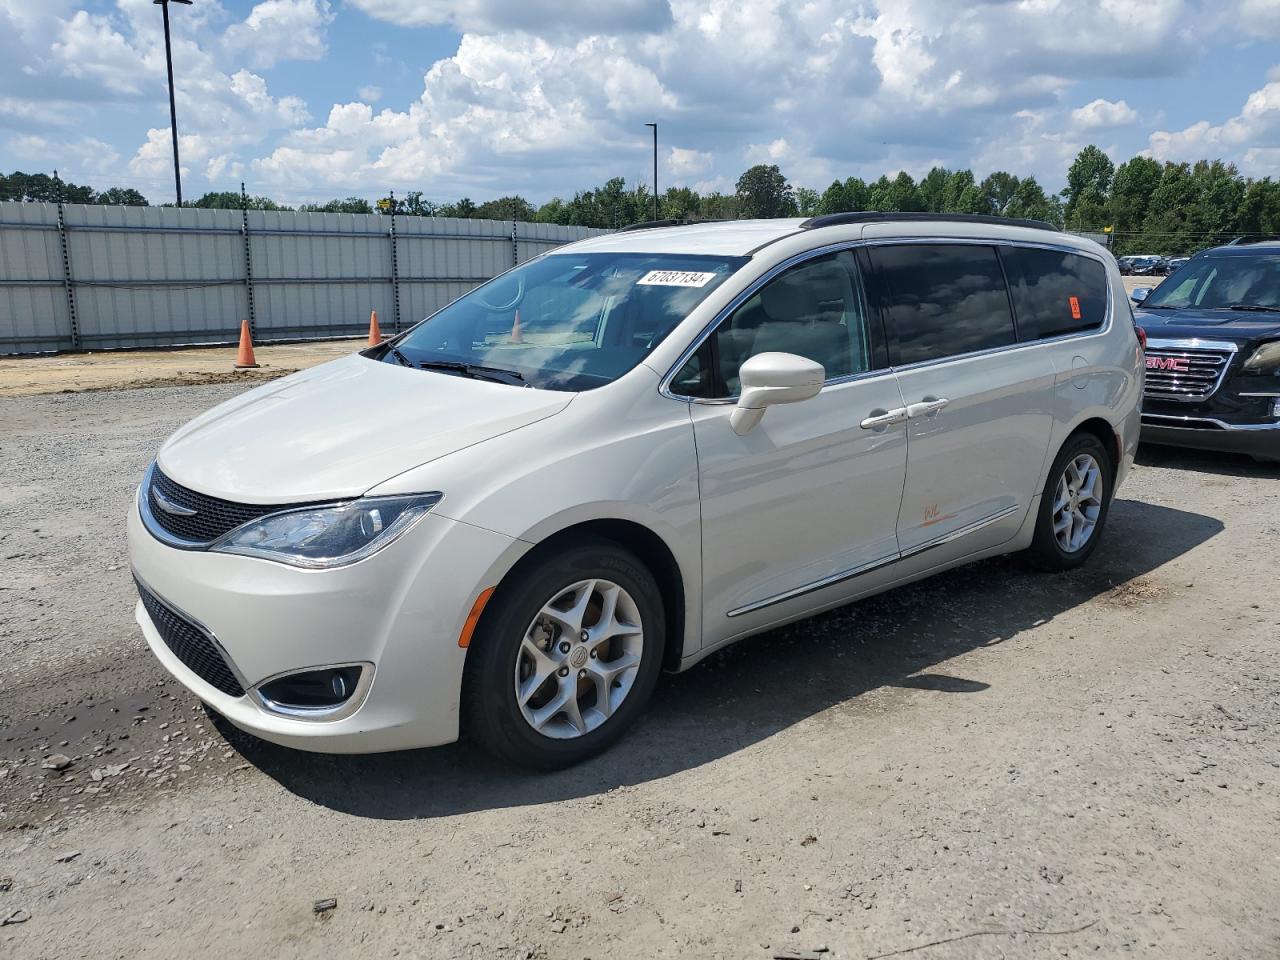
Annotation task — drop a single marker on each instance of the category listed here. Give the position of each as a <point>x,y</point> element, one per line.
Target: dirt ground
<point>130,369</point>
<point>989,764</point>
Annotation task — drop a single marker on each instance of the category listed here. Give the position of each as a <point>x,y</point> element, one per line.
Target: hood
<point>341,428</point>
<point>1216,324</point>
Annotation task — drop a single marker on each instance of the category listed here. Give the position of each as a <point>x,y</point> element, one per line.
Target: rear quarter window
<point>1054,292</point>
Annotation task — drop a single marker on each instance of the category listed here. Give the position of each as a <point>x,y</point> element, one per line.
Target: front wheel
<point>1073,508</point>
<point>565,657</point>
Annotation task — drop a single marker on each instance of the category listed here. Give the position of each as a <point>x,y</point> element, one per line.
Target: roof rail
<point>654,224</point>
<point>871,216</point>
<point>1249,238</point>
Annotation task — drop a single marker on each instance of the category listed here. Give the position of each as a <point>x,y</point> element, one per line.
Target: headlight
<point>1266,357</point>
<point>321,537</point>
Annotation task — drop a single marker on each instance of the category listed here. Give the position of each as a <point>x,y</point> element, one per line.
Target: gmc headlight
<point>332,536</point>
<point>1266,357</point>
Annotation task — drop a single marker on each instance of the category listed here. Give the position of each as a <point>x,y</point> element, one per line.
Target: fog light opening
<point>312,690</point>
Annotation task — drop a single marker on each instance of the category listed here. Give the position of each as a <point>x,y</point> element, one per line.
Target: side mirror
<point>1140,294</point>
<point>769,378</point>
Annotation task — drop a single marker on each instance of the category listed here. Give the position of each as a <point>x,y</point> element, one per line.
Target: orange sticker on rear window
<point>1075,307</point>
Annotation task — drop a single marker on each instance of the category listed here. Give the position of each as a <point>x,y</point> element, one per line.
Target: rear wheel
<point>1073,508</point>
<point>565,656</point>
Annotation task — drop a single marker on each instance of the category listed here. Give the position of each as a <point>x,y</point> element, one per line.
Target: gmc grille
<point>1184,373</point>
<point>190,644</point>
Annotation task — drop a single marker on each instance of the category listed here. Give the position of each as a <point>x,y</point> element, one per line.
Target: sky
<point>305,100</point>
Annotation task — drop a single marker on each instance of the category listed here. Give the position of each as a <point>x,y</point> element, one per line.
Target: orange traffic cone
<point>517,334</point>
<point>375,335</point>
<point>245,359</point>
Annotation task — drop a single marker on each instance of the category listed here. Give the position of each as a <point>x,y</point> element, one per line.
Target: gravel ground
<point>991,763</point>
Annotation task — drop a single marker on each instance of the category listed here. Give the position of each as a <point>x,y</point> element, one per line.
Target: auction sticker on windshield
<point>675,278</point>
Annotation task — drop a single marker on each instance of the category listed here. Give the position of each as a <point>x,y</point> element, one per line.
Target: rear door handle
<point>926,407</point>
<point>880,419</point>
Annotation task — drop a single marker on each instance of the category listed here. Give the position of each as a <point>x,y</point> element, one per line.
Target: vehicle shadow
<point>900,638</point>
<point>1205,461</point>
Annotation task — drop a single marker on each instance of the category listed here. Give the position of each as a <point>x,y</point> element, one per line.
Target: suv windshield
<point>564,321</point>
<point>1219,283</point>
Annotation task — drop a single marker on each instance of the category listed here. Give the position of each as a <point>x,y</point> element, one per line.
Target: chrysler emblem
<point>168,506</point>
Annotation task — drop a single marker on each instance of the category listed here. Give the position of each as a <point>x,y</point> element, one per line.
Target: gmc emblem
<point>1172,364</point>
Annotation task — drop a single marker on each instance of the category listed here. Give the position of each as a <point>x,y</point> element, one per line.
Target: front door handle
<point>926,407</point>
<point>880,419</point>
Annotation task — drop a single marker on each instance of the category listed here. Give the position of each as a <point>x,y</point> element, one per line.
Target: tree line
<point>1145,205</point>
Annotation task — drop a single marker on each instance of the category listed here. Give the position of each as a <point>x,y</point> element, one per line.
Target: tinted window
<point>1055,293</point>
<point>941,300</point>
<point>813,309</point>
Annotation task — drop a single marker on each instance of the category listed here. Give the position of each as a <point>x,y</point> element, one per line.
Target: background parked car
<point>1213,352</point>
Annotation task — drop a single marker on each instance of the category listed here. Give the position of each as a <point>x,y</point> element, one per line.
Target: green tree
<point>763,192</point>
<point>1259,210</point>
<point>680,203</point>
<point>848,197</point>
<point>1032,203</point>
<point>933,189</point>
<point>231,200</point>
<point>721,206</point>
<point>413,205</point>
<point>42,188</point>
<point>806,201</point>
<point>1088,189</point>
<point>1131,190</point>
<point>998,192</point>
<point>896,195</point>
<point>506,208</point>
<point>1167,227</point>
<point>349,205</point>
<point>122,196</point>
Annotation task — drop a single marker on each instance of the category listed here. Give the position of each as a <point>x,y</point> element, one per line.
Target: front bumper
<point>1205,432</point>
<point>400,611</point>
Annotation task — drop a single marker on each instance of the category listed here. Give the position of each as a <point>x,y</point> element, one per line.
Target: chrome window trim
<point>1108,323</point>
<point>199,625</point>
<point>316,714</point>
<point>851,573</point>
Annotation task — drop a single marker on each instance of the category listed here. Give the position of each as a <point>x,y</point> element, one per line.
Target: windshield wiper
<point>1255,307</point>
<point>475,371</point>
<point>403,360</point>
<point>1155,306</point>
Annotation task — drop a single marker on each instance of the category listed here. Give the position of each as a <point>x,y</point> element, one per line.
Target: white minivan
<point>624,455</point>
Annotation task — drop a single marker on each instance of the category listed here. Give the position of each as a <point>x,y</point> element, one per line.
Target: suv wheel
<point>1073,508</point>
<point>565,656</point>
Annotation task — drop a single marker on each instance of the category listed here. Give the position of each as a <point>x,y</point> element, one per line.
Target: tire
<point>1051,547</point>
<point>537,603</point>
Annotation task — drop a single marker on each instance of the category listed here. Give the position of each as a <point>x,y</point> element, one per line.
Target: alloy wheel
<point>1077,503</point>
<point>579,659</point>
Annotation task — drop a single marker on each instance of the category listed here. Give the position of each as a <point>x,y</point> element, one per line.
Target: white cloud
<point>370,94</point>
<point>278,30</point>
<point>1250,138</point>
<point>685,163</point>
<point>1102,114</point>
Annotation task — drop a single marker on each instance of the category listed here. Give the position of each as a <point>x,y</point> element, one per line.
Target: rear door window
<point>941,300</point>
<point>1054,292</point>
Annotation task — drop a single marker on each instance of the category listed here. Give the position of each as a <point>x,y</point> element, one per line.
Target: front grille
<point>212,517</point>
<point>190,644</point>
<point>1185,373</point>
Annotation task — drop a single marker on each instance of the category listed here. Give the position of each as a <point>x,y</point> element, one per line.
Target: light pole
<point>655,168</point>
<point>173,110</point>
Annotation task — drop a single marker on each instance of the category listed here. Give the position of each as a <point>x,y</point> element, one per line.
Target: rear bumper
<point>1261,440</point>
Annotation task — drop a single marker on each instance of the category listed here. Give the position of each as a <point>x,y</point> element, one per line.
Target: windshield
<point>1217,283</point>
<point>564,321</point>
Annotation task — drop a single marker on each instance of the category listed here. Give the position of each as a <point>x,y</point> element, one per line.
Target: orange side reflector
<point>477,608</point>
<point>1075,307</point>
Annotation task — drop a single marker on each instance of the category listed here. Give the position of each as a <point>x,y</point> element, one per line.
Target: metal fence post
<point>395,275</point>
<point>67,282</point>
<point>248,258</point>
<point>515,246</point>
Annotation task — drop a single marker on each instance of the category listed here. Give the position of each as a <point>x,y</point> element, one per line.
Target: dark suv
<point>1213,352</point>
